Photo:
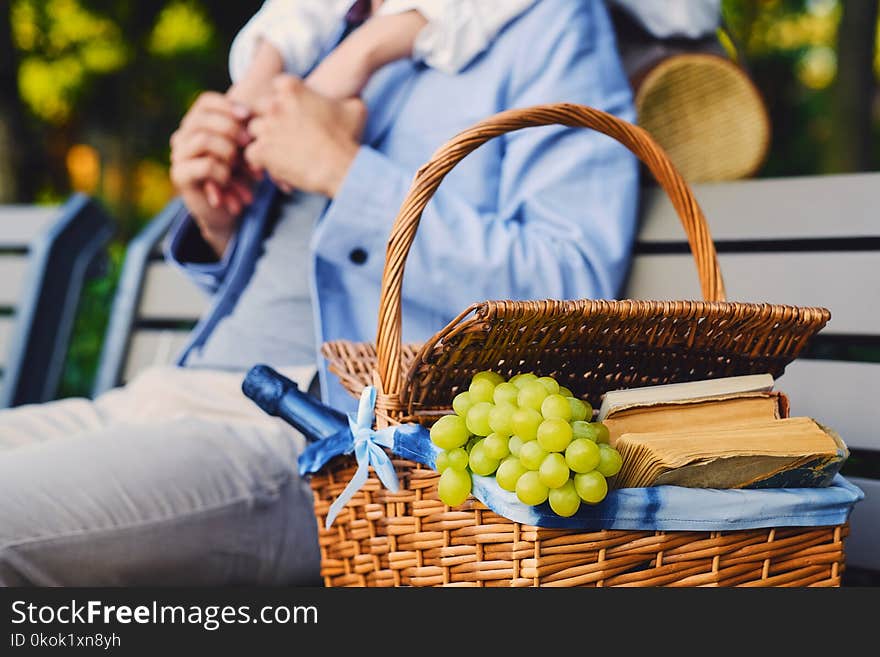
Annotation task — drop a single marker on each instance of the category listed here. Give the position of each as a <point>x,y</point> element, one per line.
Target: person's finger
<point>203,142</point>
<point>211,101</point>
<point>253,158</point>
<point>253,155</point>
<point>199,169</point>
<point>232,204</point>
<point>216,122</point>
<point>241,190</point>
<point>284,187</point>
<point>257,127</point>
<point>212,194</point>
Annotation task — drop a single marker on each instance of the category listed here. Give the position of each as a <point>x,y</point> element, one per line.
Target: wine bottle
<point>280,397</point>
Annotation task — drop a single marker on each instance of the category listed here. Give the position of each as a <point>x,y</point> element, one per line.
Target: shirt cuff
<point>188,250</point>
<point>356,226</point>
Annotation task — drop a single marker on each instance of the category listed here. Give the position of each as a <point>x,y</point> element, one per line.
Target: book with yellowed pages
<point>718,402</point>
<point>792,452</point>
<point>731,432</point>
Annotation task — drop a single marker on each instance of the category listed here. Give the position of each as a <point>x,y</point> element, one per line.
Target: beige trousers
<point>176,478</point>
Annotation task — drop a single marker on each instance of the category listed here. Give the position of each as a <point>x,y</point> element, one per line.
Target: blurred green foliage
<point>90,91</point>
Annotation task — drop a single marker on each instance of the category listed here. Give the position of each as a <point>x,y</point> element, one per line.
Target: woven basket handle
<point>431,174</point>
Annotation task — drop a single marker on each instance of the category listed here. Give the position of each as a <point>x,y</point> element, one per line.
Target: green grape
<point>481,390</point>
<point>564,500</point>
<point>495,446</point>
<point>602,435</point>
<point>549,384</point>
<point>514,444</point>
<point>556,407</point>
<point>610,460</point>
<point>462,403</point>
<point>492,377</point>
<point>530,490</point>
<point>480,462</point>
<point>457,458</point>
<point>454,486</point>
<point>531,454</point>
<point>531,395</point>
<point>554,435</point>
<point>565,392</point>
<point>582,455</point>
<point>509,472</point>
<point>591,486</point>
<point>589,430</point>
<point>521,379</point>
<point>449,432</point>
<point>442,461</point>
<point>553,471</point>
<point>505,393</point>
<point>525,423</point>
<point>478,419</point>
<point>501,419</point>
<point>579,409</point>
<point>473,440</point>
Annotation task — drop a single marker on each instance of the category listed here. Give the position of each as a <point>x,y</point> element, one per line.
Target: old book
<point>792,452</point>
<point>713,402</point>
<point>719,411</point>
<point>684,392</point>
<point>692,391</point>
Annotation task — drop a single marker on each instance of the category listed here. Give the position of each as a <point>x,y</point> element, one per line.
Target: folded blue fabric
<point>671,508</point>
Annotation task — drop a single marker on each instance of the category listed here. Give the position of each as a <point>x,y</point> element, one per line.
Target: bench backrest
<point>20,225</point>
<point>811,241</point>
<point>155,308</point>
<point>46,254</point>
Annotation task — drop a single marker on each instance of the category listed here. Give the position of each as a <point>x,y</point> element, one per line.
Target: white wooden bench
<point>46,254</point>
<point>812,241</point>
<point>803,241</point>
<point>155,308</point>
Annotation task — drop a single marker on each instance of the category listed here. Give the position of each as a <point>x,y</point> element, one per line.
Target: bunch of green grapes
<point>533,435</point>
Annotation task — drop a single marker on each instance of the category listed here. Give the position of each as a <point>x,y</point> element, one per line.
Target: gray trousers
<point>175,479</point>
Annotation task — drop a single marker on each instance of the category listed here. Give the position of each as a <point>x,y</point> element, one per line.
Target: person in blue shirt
<point>177,478</point>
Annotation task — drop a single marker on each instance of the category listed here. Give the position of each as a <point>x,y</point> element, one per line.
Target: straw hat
<point>706,113</point>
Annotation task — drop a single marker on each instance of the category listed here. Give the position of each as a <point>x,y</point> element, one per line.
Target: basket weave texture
<point>410,538</point>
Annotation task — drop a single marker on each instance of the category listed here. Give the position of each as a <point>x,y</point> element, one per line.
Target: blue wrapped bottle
<point>280,397</point>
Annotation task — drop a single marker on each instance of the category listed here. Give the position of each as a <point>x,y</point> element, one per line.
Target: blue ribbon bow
<point>368,451</point>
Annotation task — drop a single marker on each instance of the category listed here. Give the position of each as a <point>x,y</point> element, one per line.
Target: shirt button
<point>358,256</point>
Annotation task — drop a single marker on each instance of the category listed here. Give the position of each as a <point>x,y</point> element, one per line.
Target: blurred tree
<point>853,97</point>
<point>18,152</point>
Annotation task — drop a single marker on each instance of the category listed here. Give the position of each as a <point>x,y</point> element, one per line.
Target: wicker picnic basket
<point>410,538</point>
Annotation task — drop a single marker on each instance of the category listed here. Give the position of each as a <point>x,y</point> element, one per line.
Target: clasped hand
<point>302,139</point>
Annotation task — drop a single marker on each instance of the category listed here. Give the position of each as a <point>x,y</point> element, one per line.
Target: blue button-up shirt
<point>540,213</point>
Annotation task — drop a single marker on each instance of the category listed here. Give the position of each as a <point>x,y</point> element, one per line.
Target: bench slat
<point>153,347</point>
<point>839,394</point>
<point>841,282</point>
<point>20,224</point>
<point>13,269</point>
<point>6,324</point>
<point>169,294</point>
<point>805,207</point>
<point>862,548</point>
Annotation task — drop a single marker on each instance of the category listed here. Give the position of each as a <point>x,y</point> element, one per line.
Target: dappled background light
<point>90,91</point>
